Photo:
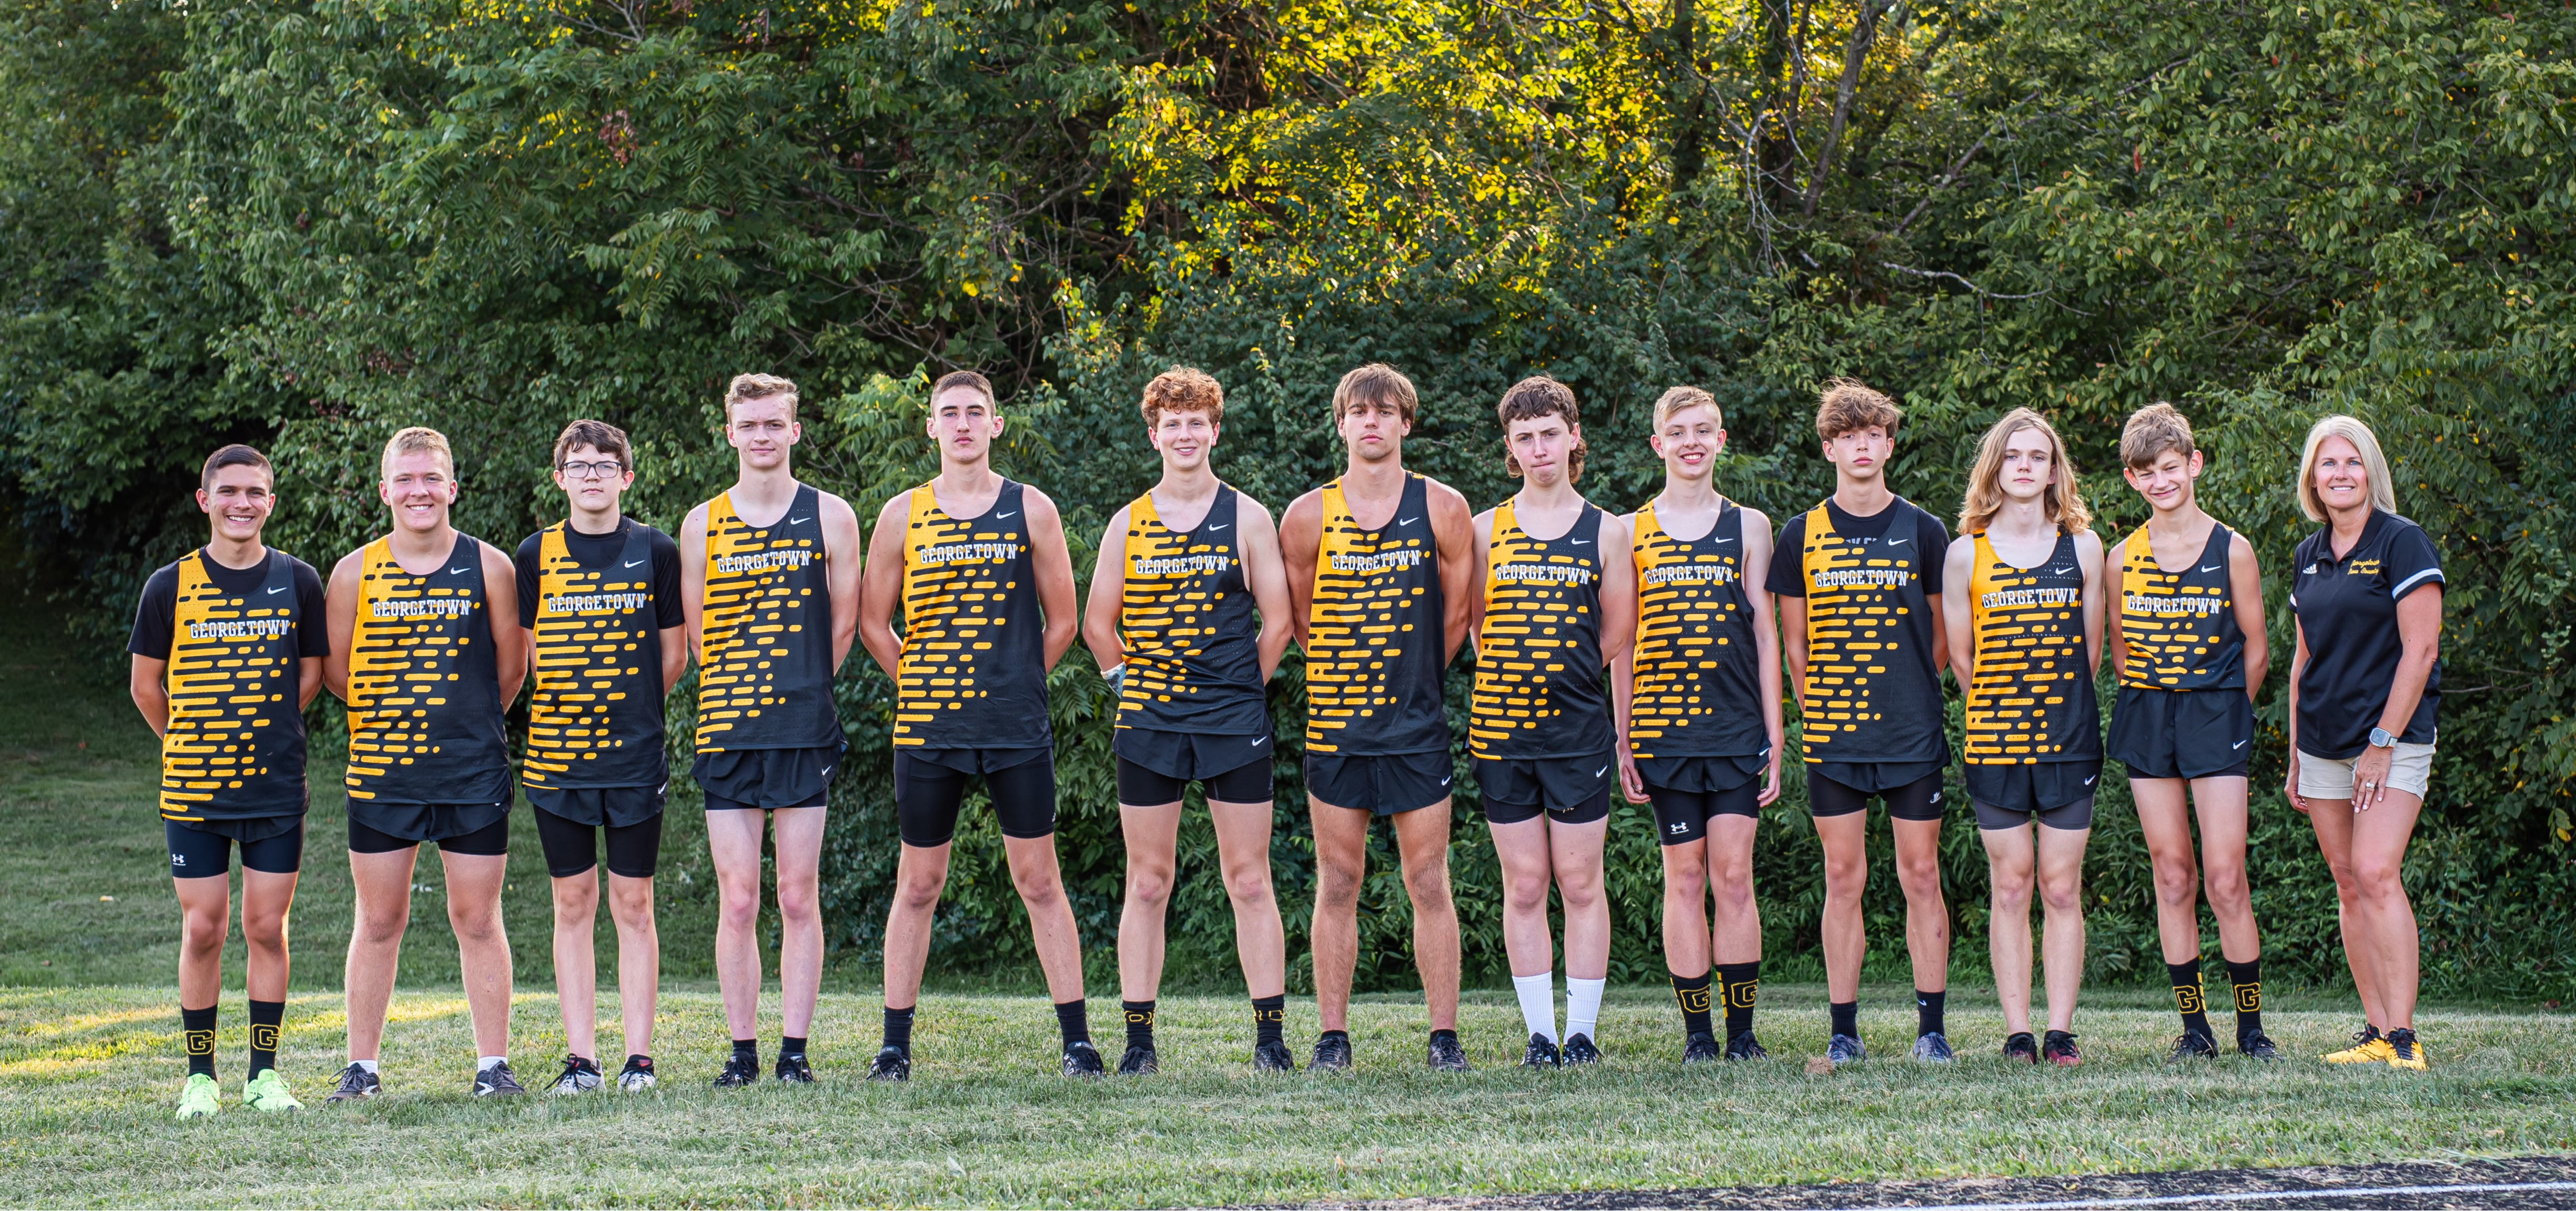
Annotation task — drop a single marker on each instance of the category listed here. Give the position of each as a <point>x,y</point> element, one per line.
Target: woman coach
<point>2364,684</point>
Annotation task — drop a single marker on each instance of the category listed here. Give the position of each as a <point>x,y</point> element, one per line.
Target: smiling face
<point>761,431</point>
<point>2341,479</point>
<point>1183,438</point>
<point>239,501</point>
<point>2166,482</point>
<point>1374,429</point>
<point>964,422</point>
<point>1689,443</point>
<point>1544,447</point>
<point>2030,463</point>
<point>1861,453</point>
<point>592,478</point>
<point>419,487</point>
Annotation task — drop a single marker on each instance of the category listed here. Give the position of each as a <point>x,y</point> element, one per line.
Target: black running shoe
<point>2019,1045</point>
<point>1139,1061</point>
<point>2256,1046</point>
<point>891,1064</point>
<point>496,1081</point>
<point>794,1070</point>
<point>1743,1046</point>
<point>739,1072</point>
<point>1445,1055</point>
<point>356,1085</point>
<point>1579,1050</point>
<point>1541,1054</point>
<point>1700,1048</point>
<point>1272,1056</point>
<point>1083,1060</point>
<point>637,1076</point>
<point>2059,1049</point>
<point>1332,1054</point>
<point>580,1075</point>
<point>2193,1045</point>
<point>1844,1049</point>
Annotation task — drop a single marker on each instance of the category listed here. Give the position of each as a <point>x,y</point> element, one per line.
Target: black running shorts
<point>1919,799</point>
<point>488,840</point>
<point>1386,785</point>
<point>767,778</point>
<point>600,806</point>
<point>1682,817</point>
<point>1571,790</point>
<point>572,847</point>
<point>2035,786</point>
<point>2182,733</point>
<point>928,795</point>
<point>1246,783</point>
<point>197,853</point>
<point>1155,766</point>
<point>2065,817</point>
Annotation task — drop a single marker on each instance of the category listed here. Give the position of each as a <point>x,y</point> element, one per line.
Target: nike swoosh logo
<point>2089,781</point>
<point>1582,542</point>
<point>279,589</point>
<point>1408,521</point>
<point>1896,542</point>
<point>2210,568</point>
<point>636,563</point>
<point>1444,782</point>
<point>1603,770</point>
<point>798,521</point>
<point>460,571</point>
<point>1725,540</point>
<point>1216,527</point>
<point>2238,744</point>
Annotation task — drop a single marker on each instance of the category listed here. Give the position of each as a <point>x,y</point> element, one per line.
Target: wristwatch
<point>2379,738</point>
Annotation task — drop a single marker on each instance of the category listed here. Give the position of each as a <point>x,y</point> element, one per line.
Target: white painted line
<point>2238,1196</point>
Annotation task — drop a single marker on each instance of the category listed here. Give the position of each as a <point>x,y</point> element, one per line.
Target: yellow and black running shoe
<point>2368,1047</point>
<point>2404,1051</point>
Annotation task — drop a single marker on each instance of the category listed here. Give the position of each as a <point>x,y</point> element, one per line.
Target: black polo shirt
<point>2348,610</point>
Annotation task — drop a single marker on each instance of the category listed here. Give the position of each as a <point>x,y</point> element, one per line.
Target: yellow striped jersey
<point>1374,632</point>
<point>1696,673</point>
<point>765,631</point>
<point>1186,619</point>
<point>973,672</point>
<point>1538,651</point>
<point>234,747</point>
<point>1872,695</point>
<point>595,669</point>
<point>424,693</point>
<point>2180,627</point>
<point>2030,696</point>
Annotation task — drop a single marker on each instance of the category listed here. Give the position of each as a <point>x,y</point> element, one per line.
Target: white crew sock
<point>484,1063</point>
<point>1583,1007</point>
<point>369,1065</point>
<point>1538,1002</point>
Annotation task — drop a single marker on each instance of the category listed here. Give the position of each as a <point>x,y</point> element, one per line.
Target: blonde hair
<point>758,386</point>
<point>1849,405</point>
<point>2153,431</point>
<point>2062,499</point>
<point>415,440</point>
<point>1678,398</point>
<point>2383,490</point>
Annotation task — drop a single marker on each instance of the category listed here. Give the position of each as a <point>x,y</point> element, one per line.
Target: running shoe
<point>2404,1052</point>
<point>1579,1050</point>
<point>1700,1048</point>
<point>2059,1049</point>
<point>1271,1055</point>
<point>637,1076</point>
<point>739,1071</point>
<point>2019,1045</point>
<point>355,1084</point>
<point>1933,1048</point>
<point>2368,1047</point>
<point>1844,1049</point>
<point>2256,1046</point>
<point>1140,1060</point>
<point>496,1081</point>
<point>579,1076</point>
<point>267,1091</point>
<point>2192,1045</point>
<point>1541,1054</point>
<point>1083,1060</point>
<point>891,1064</point>
<point>794,1070</point>
<point>1743,1046</point>
<point>1445,1054</point>
<point>201,1097</point>
<point>1332,1054</point>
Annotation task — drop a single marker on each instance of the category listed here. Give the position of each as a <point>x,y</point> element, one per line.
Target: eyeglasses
<point>603,469</point>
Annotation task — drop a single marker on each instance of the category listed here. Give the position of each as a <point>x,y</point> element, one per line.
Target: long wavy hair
<point>2063,499</point>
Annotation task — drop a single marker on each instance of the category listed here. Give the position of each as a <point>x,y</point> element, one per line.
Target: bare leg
<point>266,899</point>
<point>920,874</point>
<point>733,842</point>
<point>2220,803</point>
<point>1041,885</point>
<point>576,967</point>
<point>1422,843</point>
<point>798,835</point>
<point>2333,821</point>
<point>2379,838</point>
<point>1574,851</point>
<point>2008,870</point>
<point>1522,849</point>
<point>1687,940</point>
<point>382,883</point>
<point>2166,822</point>
<point>1927,916</point>
<point>1737,936</point>
<point>1243,849</point>
<point>1341,860</point>
<point>482,946</point>
<point>205,917</point>
<point>639,958</point>
<point>1846,844</point>
<point>1151,834</point>
<point>2061,900</point>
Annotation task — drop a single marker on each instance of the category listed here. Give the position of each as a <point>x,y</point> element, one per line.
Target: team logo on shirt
<point>2363,567</point>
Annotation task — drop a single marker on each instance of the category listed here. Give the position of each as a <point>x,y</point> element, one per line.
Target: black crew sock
<point>1846,1017</point>
<point>791,1047</point>
<point>2185,978</point>
<point>2247,977</point>
<point>1927,1012</point>
<point>1074,1018</point>
<point>265,1018</point>
<point>1269,1017</point>
<point>1140,1023</point>
<point>898,1029</point>
<point>1691,994</point>
<point>747,1049</point>
<point>197,1027</point>
<point>1741,984</point>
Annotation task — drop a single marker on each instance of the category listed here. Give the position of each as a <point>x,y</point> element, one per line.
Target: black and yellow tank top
<point>1872,695</point>
<point>765,635</point>
<point>595,706</point>
<point>424,695</point>
<point>1375,633</point>
<point>234,747</point>
<point>973,672</point>
<point>2030,696</point>
<point>1538,652</point>
<point>1697,672</point>
<point>1187,622</point>
<point>2180,627</point>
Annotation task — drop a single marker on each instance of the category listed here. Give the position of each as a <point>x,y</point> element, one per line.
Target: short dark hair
<point>598,435</point>
<point>1376,383</point>
<point>1530,399</point>
<point>1849,405</point>
<point>966,378</point>
<point>234,455</point>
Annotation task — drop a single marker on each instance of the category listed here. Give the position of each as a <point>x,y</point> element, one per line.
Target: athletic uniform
<point>768,735</point>
<point>2347,608</point>
<point>1377,730</point>
<point>970,689</point>
<point>1539,722</point>
<point>2182,710</point>
<point>597,604</point>
<point>1191,709</point>
<point>428,757</point>
<point>232,756</point>
<point>1871,714</point>
<point>1695,720</point>
<point>2034,733</point>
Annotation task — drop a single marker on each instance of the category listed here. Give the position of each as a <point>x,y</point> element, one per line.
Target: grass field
<point>90,1060</point>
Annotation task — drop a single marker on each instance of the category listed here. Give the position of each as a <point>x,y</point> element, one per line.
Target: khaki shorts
<point>2410,771</point>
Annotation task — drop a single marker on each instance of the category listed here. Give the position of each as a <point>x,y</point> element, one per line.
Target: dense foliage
<point>316,222</point>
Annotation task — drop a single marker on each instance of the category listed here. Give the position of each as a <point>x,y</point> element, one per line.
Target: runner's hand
<point>1629,781</point>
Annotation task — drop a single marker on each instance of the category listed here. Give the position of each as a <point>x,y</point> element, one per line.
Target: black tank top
<point>973,672</point>
<point>1697,671</point>
<point>1872,696</point>
<point>2030,697</point>
<point>765,639</point>
<point>595,670</point>
<point>424,695</point>
<point>1192,637</point>
<point>2180,627</point>
<point>234,746</point>
<point>1538,653</point>
<point>1375,633</point>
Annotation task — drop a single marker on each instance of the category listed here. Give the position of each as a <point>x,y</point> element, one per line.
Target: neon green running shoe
<point>201,1097</point>
<point>267,1091</point>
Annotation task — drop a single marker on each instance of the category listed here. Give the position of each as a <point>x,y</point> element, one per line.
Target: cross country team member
<point>978,563</point>
<point>2022,599</point>
<point>227,652</point>
<point>1182,571</point>
<point>2365,681</point>
<point>1380,568</point>
<point>1698,700</point>
<point>1859,582</point>
<point>769,582</point>
<point>2188,643</point>
<point>414,608</point>
<point>1539,722</point>
<point>600,603</point>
